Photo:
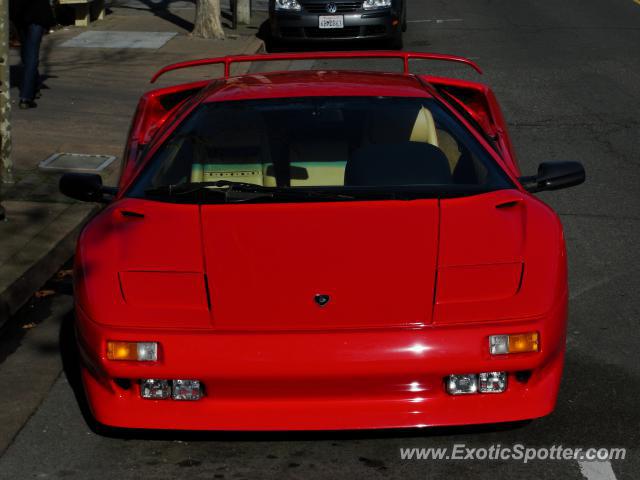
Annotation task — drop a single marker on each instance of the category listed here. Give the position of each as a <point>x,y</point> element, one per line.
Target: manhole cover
<point>76,162</point>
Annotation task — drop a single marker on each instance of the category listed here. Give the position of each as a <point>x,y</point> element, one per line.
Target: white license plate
<point>331,21</point>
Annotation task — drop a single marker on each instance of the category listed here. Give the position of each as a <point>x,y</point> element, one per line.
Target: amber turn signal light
<point>523,342</point>
<point>516,343</point>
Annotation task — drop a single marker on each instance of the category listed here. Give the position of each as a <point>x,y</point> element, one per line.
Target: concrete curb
<point>34,266</point>
<point>255,46</point>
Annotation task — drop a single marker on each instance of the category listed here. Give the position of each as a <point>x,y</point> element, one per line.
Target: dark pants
<point>30,54</point>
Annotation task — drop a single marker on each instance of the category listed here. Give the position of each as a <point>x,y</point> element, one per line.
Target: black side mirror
<point>86,187</point>
<point>554,176</point>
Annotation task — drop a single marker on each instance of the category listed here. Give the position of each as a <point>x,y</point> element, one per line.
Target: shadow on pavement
<point>161,9</point>
<point>71,367</point>
<point>37,310</point>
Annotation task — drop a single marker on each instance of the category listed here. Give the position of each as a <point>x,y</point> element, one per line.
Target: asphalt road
<point>568,77</point>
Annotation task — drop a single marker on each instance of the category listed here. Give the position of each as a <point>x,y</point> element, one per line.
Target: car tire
<point>404,20</point>
<point>273,45</point>
<point>397,42</point>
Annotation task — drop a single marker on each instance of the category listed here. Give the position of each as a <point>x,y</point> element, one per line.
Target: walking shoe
<point>26,104</point>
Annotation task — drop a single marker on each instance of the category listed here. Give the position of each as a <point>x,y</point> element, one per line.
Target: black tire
<point>404,19</point>
<point>397,42</point>
<point>273,45</point>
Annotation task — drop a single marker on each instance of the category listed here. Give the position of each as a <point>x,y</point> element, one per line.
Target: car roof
<point>316,83</point>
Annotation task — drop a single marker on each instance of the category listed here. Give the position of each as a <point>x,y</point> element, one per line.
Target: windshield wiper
<point>238,192</point>
<point>189,188</point>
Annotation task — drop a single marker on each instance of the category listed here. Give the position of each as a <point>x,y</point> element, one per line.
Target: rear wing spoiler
<point>230,60</point>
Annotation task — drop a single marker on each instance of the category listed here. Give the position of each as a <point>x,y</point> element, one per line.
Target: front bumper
<point>321,380</point>
<point>304,26</point>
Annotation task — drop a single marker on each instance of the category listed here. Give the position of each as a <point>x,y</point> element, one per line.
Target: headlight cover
<point>289,5</point>
<point>374,4</point>
<point>132,351</point>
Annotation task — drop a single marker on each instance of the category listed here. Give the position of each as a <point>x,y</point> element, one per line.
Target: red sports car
<point>321,250</point>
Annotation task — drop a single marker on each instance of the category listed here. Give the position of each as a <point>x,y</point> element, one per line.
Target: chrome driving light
<point>288,5</point>
<point>373,4</point>
<point>462,384</point>
<point>152,389</point>
<point>492,382</point>
<point>187,390</point>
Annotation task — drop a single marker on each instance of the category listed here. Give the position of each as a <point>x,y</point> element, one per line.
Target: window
<point>323,142</point>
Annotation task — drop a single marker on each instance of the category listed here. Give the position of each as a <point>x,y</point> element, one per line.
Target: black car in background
<point>322,20</point>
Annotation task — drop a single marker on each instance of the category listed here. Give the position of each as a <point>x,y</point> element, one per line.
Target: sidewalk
<point>91,96</point>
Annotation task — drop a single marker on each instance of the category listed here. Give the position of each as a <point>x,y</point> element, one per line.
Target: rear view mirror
<point>554,176</point>
<point>295,173</point>
<point>86,187</point>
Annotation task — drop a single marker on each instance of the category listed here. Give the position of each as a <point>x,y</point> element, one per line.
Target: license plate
<point>331,21</point>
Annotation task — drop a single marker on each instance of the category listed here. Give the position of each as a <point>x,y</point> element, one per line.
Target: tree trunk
<point>6,165</point>
<point>207,23</point>
<point>244,12</point>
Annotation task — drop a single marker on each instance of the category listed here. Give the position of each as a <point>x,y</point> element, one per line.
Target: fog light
<point>462,384</point>
<point>155,389</point>
<point>187,390</point>
<point>133,351</point>
<point>493,382</point>
<point>518,343</point>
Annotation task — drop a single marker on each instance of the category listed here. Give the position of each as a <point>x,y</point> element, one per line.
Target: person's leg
<point>31,59</point>
<point>22,35</point>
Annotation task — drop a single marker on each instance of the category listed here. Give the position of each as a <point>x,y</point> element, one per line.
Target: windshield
<point>364,146</point>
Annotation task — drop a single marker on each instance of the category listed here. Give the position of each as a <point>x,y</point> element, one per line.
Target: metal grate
<point>76,162</point>
<point>341,7</point>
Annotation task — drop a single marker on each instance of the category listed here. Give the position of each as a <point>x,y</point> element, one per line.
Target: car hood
<point>321,266</point>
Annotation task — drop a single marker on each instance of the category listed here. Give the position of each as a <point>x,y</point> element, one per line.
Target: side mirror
<point>86,187</point>
<point>554,176</point>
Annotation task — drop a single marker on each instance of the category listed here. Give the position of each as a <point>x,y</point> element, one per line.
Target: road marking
<point>443,20</point>
<point>577,292</point>
<point>597,470</point>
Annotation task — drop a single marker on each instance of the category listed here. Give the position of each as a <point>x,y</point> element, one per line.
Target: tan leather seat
<point>425,131</point>
<point>450,147</point>
<point>424,128</point>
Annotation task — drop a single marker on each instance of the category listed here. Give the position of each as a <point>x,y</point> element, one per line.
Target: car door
<point>478,104</point>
